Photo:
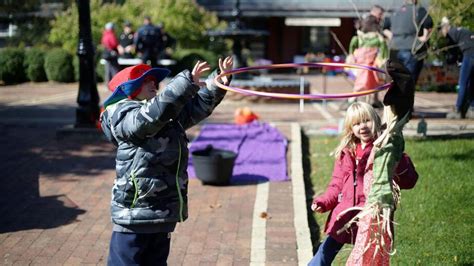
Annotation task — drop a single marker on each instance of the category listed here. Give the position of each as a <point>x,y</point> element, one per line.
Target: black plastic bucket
<point>214,166</point>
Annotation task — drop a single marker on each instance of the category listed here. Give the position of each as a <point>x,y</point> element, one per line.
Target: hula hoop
<point>300,96</point>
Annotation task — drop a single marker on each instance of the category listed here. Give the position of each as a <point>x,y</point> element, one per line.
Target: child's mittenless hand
<point>199,68</point>
<point>225,65</point>
<point>315,207</point>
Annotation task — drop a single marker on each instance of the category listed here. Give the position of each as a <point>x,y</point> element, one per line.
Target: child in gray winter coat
<point>148,126</point>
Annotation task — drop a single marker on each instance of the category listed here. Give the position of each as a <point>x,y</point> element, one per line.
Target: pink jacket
<point>346,190</point>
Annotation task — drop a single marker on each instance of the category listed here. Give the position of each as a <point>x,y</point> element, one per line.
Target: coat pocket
<point>147,191</point>
<point>139,192</point>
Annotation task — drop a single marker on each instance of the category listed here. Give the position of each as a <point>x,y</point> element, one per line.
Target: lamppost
<point>87,113</point>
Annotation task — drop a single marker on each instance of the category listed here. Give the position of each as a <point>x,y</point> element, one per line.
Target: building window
<point>316,39</point>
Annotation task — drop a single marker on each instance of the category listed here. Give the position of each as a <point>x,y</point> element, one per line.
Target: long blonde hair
<point>356,113</point>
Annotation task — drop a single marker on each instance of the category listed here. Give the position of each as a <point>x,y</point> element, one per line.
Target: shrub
<point>75,65</point>
<point>11,65</point>
<point>185,20</point>
<point>186,58</point>
<point>34,65</point>
<point>58,65</point>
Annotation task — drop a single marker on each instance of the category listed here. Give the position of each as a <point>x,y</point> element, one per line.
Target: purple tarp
<point>261,150</point>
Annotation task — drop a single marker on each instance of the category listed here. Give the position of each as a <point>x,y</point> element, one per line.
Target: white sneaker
<point>454,115</point>
<point>470,113</point>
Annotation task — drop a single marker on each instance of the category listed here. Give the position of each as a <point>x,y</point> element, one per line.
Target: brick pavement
<point>55,194</point>
<point>55,197</point>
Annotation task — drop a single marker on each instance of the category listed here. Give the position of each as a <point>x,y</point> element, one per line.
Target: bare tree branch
<point>339,43</point>
<point>415,47</point>
<point>356,9</point>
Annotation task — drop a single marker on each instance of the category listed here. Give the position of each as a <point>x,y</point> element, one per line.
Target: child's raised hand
<point>226,65</point>
<point>199,68</point>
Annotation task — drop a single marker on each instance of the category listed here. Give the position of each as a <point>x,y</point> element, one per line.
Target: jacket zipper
<point>181,201</point>
<point>355,186</point>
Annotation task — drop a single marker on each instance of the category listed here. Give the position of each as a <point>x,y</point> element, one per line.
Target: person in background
<point>369,48</point>
<point>148,42</point>
<point>126,47</point>
<point>110,54</point>
<point>168,43</point>
<point>464,38</point>
<point>408,31</point>
<point>377,12</point>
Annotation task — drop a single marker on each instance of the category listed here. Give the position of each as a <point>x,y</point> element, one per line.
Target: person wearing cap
<point>110,54</point>
<point>147,125</point>
<point>126,48</point>
<point>464,38</point>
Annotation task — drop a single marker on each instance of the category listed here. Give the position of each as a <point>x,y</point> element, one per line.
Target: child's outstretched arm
<point>207,98</point>
<point>329,199</point>
<point>137,121</point>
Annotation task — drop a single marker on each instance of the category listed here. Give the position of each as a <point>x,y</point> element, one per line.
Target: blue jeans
<point>327,251</point>
<point>411,63</point>
<point>138,249</point>
<point>466,84</point>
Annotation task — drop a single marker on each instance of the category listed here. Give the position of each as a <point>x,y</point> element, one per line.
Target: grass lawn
<point>436,218</point>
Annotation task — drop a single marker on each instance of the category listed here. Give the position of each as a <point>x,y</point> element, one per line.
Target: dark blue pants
<point>151,56</point>
<point>138,249</point>
<point>411,63</point>
<point>327,251</point>
<point>466,84</point>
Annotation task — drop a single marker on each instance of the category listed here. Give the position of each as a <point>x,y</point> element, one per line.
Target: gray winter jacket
<point>152,152</point>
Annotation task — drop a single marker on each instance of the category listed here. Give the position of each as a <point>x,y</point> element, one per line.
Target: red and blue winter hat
<point>128,82</point>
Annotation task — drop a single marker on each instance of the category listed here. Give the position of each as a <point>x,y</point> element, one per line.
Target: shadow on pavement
<point>241,180</point>
<point>38,172</point>
<point>248,179</point>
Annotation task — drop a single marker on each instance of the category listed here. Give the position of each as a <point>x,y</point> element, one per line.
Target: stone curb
<point>303,236</point>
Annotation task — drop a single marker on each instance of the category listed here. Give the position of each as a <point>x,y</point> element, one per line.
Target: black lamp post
<point>87,113</point>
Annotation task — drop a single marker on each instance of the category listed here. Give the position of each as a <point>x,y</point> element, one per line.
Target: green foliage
<point>187,58</point>
<point>184,20</point>
<point>438,88</point>
<point>32,31</point>
<point>460,13</point>
<point>434,219</point>
<point>58,65</point>
<point>65,27</point>
<point>34,64</point>
<point>11,65</point>
<point>75,65</point>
